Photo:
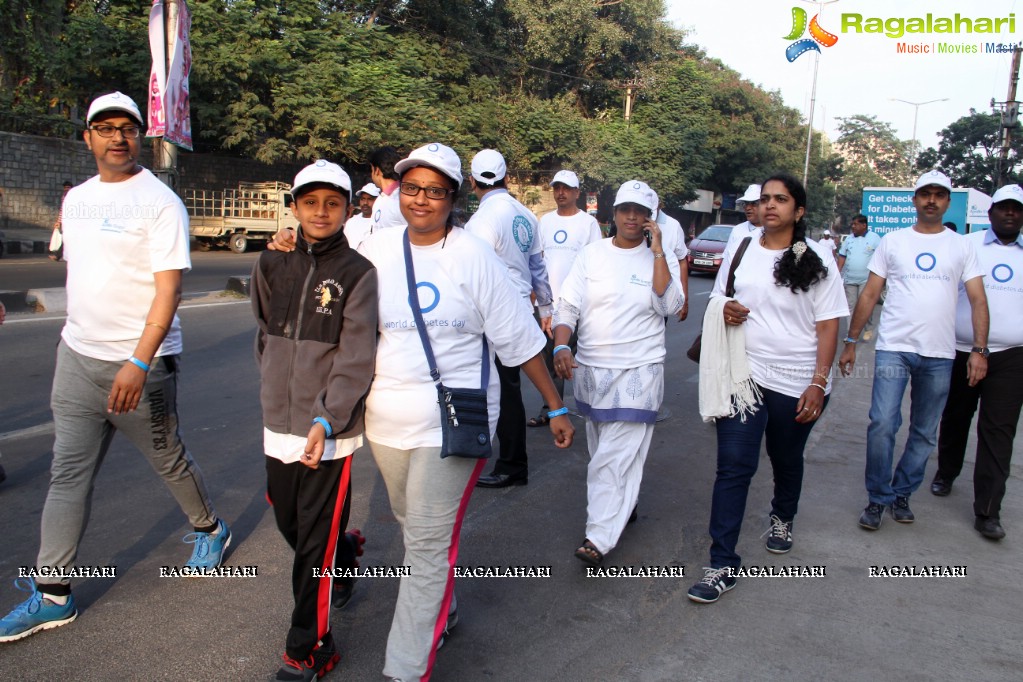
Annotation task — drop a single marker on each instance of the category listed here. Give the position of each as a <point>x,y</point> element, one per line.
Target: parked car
<point>707,249</point>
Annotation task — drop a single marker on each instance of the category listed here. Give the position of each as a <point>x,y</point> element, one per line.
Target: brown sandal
<point>589,554</point>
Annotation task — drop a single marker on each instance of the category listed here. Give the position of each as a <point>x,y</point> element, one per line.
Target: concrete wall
<point>32,170</point>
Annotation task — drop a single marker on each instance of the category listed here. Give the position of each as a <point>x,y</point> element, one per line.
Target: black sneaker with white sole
<point>715,582</point>
<point>779,536</point>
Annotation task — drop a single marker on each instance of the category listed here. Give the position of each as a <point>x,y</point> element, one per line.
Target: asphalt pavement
<point>844,625</point>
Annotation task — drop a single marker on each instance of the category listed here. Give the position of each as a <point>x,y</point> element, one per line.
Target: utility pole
<point>630,88</point>
<point>165,154</point>
<point>1010,116</point>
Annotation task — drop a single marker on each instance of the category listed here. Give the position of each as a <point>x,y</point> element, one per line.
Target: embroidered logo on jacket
<point>328,293</point>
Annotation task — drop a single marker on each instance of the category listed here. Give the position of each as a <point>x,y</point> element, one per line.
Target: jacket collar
<point>329,246</point>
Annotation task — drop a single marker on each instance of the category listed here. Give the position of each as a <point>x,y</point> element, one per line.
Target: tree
<point>873,156</point>
<point>969,152</point>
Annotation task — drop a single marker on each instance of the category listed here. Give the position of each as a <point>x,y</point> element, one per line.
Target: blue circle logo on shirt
<point>376,216</point>
<point>1004,270</point>
<point>560,237</point>
<point>926,261</point>
<point>436,296</point>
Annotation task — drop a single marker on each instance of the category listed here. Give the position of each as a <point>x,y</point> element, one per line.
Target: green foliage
<point>969,152</point>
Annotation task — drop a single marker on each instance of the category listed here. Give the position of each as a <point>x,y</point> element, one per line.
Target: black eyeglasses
<point>127,132</point>
<point>411,190</point>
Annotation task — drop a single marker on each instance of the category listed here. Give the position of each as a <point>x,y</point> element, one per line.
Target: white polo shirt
<point>1003,283</point>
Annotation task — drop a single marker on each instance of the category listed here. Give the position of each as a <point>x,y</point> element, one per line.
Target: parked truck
<point>235,217</point>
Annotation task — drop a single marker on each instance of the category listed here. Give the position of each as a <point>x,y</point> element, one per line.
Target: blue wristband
<point>558,348</point>
<point>138,363</point>
<point>325,424</point>
<point>557,413</point>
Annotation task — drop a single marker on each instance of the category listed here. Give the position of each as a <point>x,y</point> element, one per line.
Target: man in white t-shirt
<point>126,246</point>
<point>750,202</point>
<point>1000,252</point>
<point>510,228</point>
<point>923,267</point>
<point>386,211</point>
<point>674,240</point>
<point>360,225</point>
<point>562,234</point>
<point>827,242</point>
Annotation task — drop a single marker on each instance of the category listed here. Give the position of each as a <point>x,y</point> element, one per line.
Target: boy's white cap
<point>437,156</point>
<point>566,177</point>
<point>933,177</point>
<point>370,189</point>
<point>827,233</point>
<point>115,101</point>
<point>324,171</point>
<point>488,166</point>
<point>636,192</point>
<point>752,194</point>
<point>1008,193</point>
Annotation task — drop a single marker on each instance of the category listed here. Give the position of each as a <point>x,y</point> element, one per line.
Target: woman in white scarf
<point>788,298</point>
<point>618,292</point>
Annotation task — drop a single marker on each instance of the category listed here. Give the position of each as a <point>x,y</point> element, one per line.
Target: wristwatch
<point>849,339</point>
<point>981,350</point>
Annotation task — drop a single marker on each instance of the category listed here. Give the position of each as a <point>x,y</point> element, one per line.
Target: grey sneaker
<point>871,516</point>
<point>901,511</point>
<point>779,536</point>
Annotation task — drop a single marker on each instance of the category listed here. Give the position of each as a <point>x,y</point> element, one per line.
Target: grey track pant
<point>83,431</point>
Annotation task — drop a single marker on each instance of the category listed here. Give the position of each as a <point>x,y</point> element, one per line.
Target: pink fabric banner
<point>169,115</point>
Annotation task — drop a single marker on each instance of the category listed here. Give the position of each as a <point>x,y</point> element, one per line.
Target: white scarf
<point>726,387</point>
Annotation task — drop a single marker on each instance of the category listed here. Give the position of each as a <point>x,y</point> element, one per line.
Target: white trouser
<point>617,453</point>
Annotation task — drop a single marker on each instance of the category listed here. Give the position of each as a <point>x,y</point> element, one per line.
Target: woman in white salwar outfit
<point>618,293</point>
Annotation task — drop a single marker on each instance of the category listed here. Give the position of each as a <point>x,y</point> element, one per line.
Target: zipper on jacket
<point>298,329</point>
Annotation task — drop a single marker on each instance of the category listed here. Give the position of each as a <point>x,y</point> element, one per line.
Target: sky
<point>862,72</point>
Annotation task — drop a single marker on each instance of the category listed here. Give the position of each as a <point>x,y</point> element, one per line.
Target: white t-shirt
<point>923,272</point>
<point>357,229</point>
<point>620,326</point>
<point>740,232</point>
<point>289,448</point>
<point>1003,283</point>
<point>827,243</point>
<point>116,235</point>
<point>464,291</point>
<point>387,212</point>
<point>673,239</point>
<point>561,239</point>
<point>510,228</point>
<point>781,331</point>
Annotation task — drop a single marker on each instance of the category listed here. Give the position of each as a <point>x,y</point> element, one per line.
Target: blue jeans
<point>738,457</point>
<point>929,380</point>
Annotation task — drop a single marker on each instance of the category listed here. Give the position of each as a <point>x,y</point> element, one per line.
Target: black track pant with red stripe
<point>311,508</point>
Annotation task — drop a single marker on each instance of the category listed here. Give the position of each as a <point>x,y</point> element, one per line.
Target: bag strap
<point>417,312</point>
<point>730,287</point>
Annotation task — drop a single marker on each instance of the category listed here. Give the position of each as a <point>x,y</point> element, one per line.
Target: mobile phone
<point>646,233</point>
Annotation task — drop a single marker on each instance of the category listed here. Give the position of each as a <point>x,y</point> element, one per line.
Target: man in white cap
<point>750,202</point>
<point>923,267</point>
<point>510,228</point>
<point>126,246</point>
<point>360,225</point>
<point>827,242</point>
<point>1000,252</point>
<point>563,233</point>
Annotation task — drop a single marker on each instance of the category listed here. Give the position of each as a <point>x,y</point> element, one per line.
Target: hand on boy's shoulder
<point>284,240</point>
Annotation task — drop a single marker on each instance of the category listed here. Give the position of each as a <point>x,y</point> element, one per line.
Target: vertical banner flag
<point>169,115</point>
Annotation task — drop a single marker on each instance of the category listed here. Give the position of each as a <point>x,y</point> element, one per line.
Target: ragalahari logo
<point>817,35</point>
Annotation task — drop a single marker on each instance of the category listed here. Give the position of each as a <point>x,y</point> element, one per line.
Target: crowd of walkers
<point>404,329</point>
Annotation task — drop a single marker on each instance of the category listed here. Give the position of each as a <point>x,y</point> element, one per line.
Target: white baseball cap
<point>933,177</point>
<point>1008,193</point>
<point>370,189</point>
<point>324,171</point>
<point>752,194</point>
<point>437,156</point>
<point>636,192</point>
<point>827,233</point>
<point>115,101</point>
<point>488,166</point>
<point>567,178</point>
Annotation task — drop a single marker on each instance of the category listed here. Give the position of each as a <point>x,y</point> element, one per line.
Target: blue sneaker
<point>208,550</point>
<point>35,613</point>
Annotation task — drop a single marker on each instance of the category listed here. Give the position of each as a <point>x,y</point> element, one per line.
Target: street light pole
<point>916,110</point>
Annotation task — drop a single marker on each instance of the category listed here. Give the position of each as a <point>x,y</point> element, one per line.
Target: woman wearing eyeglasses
<point>464,293</point>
